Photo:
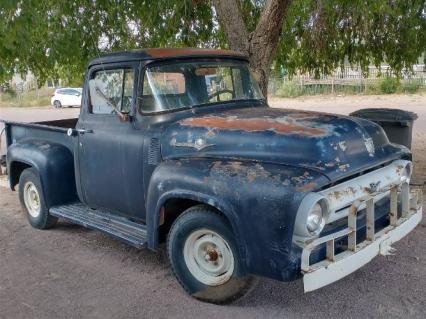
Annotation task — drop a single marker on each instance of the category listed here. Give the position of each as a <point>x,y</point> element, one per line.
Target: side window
<point>111,90</point>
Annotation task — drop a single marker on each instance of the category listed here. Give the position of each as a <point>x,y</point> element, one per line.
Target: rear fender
<point>53,162</point>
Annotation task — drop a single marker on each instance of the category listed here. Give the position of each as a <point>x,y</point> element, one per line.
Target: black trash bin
<point>398,124</point>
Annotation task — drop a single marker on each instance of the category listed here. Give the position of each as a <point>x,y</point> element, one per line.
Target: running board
<point>118,227</point>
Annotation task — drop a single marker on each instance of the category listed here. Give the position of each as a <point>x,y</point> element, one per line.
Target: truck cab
<point>179,146</point>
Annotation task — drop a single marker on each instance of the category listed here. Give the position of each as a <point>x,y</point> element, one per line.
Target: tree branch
<point>265,37</point>
<point>230,17</point>
<point>264,40</point>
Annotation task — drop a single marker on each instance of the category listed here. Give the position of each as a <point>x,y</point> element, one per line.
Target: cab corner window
<point>111,91</point>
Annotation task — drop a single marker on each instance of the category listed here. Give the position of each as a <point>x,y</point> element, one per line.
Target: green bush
<point>374,87</point>
<point>9,93</point>
<point>289,89</point>
<point>389,85</point>
<point>411,86</point>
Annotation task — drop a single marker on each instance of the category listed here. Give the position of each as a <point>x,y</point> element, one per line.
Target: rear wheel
<point>204,256</point>
<point>57,104</point>
<point>32,200</point>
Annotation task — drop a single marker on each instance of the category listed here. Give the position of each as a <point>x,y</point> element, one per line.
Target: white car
<point>66,97</point>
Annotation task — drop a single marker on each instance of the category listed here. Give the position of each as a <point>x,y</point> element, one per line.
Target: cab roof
<point>166,53</point>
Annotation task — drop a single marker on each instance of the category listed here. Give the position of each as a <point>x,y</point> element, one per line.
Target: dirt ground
<point>72,272</point>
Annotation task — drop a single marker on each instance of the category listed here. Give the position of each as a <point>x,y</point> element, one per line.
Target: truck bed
<point>47,131</point>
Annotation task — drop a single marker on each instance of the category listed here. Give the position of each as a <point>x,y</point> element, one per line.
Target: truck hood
<point>335,145</point>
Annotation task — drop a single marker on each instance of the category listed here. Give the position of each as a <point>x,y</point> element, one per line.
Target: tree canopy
<point>57,38</point>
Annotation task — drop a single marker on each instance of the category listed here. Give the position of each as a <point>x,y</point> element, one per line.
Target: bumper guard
<point>337,266</point>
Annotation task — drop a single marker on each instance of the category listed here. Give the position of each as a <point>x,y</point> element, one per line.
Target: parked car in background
<point>66,97</point>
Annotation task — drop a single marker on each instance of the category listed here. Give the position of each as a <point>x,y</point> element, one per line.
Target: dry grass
<point>27,99</point>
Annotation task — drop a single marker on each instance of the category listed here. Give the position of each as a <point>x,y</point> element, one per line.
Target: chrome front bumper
<point>337,266</point>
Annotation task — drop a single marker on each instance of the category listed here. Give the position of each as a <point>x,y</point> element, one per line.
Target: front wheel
<point>204,256</point>
<point>57,104</point>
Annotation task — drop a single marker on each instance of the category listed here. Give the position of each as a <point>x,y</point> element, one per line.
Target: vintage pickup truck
<point>180,146</point>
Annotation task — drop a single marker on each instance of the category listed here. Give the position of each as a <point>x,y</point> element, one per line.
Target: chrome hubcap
<point>208,257</point>
<point>32,199</point>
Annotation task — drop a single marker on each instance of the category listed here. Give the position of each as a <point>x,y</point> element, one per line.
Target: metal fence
<point>349,81</point>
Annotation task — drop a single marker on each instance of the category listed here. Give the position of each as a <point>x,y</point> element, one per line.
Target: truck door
<point>110,152</point>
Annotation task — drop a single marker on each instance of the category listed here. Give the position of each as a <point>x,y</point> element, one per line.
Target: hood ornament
<point>374,187</point>
<point>199,144</point>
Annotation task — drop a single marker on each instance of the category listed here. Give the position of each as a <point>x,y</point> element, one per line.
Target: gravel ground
<point>72,272</point>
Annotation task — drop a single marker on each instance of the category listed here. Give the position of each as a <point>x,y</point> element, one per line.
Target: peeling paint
<point>279,125</point>
<point>339,145</point>
<point>344,167</point>
<point>342,145</point>
<point>248,173</point>
<point>369,145</point>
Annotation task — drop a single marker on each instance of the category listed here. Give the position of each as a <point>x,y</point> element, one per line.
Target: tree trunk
<point>261,44</point>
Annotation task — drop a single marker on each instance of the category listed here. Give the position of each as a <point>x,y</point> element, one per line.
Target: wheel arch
<point>16,167</point>
<point>223,208</point>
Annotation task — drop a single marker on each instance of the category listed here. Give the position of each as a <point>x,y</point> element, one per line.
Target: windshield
<point>186,84</point>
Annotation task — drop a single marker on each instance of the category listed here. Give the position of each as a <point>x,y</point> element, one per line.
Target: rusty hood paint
<point>332,144</point>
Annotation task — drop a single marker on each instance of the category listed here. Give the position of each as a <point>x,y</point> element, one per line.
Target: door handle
<point>83,131</point>
<point>74,132</point>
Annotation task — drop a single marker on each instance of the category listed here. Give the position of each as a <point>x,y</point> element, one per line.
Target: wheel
<point>32,200</point>
<point>204,256</point>
<point>57,104</point>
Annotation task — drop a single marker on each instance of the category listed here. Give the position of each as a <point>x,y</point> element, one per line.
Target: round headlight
<point>406,173</point>
<point>315,221</point>
<point>311,216</point>
<point>407,170</point>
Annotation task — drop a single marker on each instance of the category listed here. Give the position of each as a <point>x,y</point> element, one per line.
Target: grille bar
<point>410,201</point>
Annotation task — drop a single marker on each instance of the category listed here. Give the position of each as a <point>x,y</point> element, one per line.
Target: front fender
<point>54,163</point>
<point>176,179</point>
<point>259,200</point>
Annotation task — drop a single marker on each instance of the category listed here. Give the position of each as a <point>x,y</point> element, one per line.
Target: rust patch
<point>250,178</point>
<point>350,191</point>
<point>302,179</point>
<point>179,52</point>
<point>243,172</point>
<point>335,194</point>
<point>306,187</point>
<point>280,125</point>
<point>399,169</point>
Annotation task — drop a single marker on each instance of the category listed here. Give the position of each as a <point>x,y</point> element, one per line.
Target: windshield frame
<point>159,62</point>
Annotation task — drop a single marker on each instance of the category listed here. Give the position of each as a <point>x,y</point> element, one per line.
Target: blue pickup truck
<point>179,146</point>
